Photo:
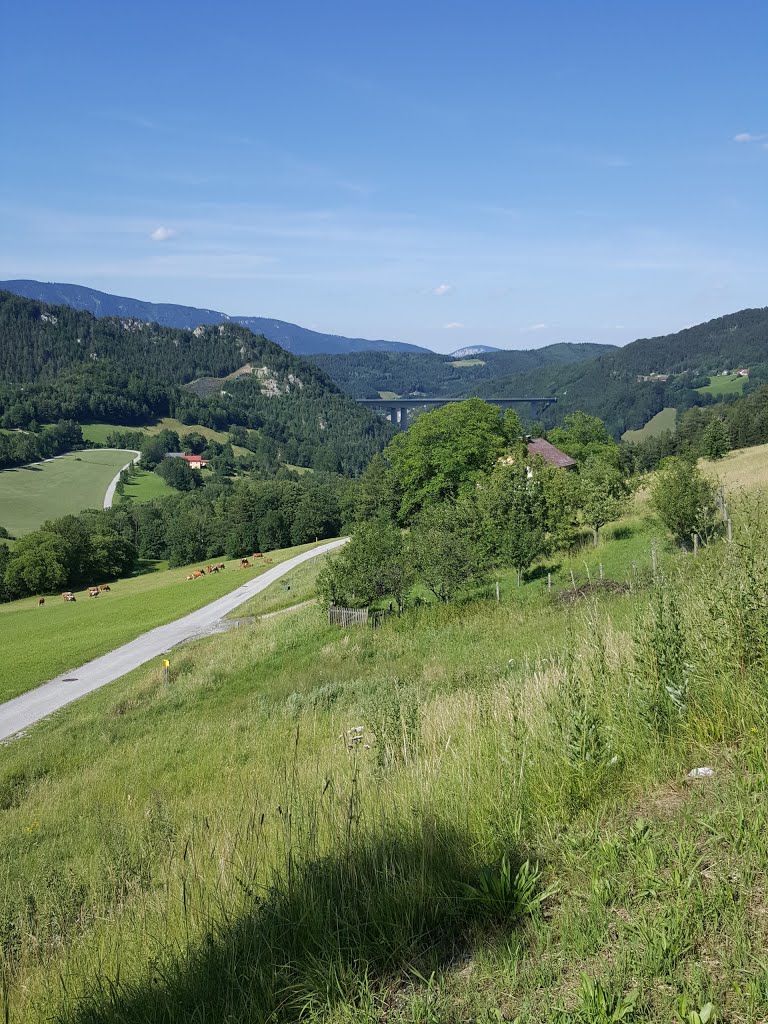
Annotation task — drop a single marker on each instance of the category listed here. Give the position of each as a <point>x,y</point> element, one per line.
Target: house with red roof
<point>193,461</point>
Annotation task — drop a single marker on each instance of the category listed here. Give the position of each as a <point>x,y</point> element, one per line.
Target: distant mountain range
<point>298,340</point>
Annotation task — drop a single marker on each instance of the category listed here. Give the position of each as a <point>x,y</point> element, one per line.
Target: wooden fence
<point>355,616</point>
<point>347,616</point>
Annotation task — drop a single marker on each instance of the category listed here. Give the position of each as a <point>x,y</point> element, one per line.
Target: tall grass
<point>474,813</point>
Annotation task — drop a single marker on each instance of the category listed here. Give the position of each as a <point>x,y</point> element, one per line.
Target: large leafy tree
<point>513,513</point>
<point>445,548</point>
<point>373,565</point>
<point>602,494</point>
<point>444,453</point>
<point>585,437</point>
<point>685,500</point>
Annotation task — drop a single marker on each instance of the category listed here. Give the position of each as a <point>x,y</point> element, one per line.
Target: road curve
<point>25,710</point>
<point>109,496</point>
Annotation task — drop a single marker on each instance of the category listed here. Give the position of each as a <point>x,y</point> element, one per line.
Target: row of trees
<point>17,448</point>
<point>220,519</point>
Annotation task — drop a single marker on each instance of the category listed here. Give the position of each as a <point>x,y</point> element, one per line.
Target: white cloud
<point>442,289</point>
<point>748,137</point>
<point>536,327</point>
<point>452,326</point>
<point>162,234</point>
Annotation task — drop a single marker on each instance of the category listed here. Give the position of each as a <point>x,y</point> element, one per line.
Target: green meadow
<point>664,420</point>
<point>144,485</point>
<point>722,387</point>
<point>98,432</point>
<point>29,495</point>
<point>37,644</point>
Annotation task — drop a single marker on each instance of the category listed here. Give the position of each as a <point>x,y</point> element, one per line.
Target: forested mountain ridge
<point>365,374</point>
<point>57,363</point>
<point>608,386</point>
<point>296,339</point>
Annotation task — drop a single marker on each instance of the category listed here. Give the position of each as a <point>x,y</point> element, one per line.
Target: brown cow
<point>197,573</point>
<point>93,591</point>
<point>104,586</point>
<point>245,564</point>
<point>257,554</point>
<point>69,596</point>
<point>40,602</point>
<point>221,566</point>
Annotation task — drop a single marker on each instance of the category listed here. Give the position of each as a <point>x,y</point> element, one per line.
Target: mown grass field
<point>31,494</point>
<point>664,420</point>
<point>467,362</point>
<point>722,387</point>
<point>98,432</point>
<point>37,644</point>
<point>145,485</point>
<point>224,849</point>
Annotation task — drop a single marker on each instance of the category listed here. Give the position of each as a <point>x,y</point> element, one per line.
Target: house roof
<point>550,454</point>
<point>187,458</point>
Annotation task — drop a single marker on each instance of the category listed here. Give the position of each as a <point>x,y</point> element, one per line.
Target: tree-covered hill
<point>299,340</point>
<point>57,363</point>
<point>365,374</point>
<point>608,386</point>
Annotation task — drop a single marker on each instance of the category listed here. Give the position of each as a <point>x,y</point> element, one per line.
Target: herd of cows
<point>245,563</point>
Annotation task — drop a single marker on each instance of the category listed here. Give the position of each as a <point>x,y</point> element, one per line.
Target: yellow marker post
<point>166,670</point>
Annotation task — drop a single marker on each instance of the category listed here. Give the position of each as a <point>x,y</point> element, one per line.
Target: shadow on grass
<point>326,934</point>
<point>623,532</point>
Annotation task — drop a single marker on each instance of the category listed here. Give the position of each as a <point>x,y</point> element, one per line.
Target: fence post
<point>729,530</point>
<point>549,582</point>
<point>695,544</point>
<point>498,597</point>
<point>601,570</point>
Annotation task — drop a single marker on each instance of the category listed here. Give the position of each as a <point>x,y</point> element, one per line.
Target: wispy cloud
<point>452,326</point>
<point>750,137</point>
<point>442,289</point>
<point>536,327</point>
<point>162,233</point>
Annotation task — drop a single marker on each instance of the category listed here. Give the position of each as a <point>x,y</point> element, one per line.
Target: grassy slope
<point>89,628</point>
<point>144,486</point>
<point>664,420</point>
<point>217,846</point>
<point>97,432</point>
<point>30,495</point>
<point>721,386</point>
<point>743,468</point>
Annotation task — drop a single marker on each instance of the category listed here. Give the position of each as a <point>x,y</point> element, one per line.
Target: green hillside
<point>60,364</point>
<point>608,386</point>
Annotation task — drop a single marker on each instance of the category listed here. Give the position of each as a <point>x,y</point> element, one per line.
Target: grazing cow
<point>40,602</point>
<point>93,591</point>
<point>104,586</point>
<point>69,596</point>
<point>197,573</point>
<point>245,564</point>
<point>221,566</point>
<point>257,554</point>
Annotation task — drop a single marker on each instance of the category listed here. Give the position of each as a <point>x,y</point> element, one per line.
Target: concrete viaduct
<point>396,409</point>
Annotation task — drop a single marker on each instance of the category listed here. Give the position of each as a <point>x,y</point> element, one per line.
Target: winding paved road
<point>23,711</point>
<point>109,496</point>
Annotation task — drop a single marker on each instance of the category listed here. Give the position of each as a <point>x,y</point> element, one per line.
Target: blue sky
<point>512,174</point>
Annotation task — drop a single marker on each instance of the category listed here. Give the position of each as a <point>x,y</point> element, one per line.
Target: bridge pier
<point>403,417</point>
